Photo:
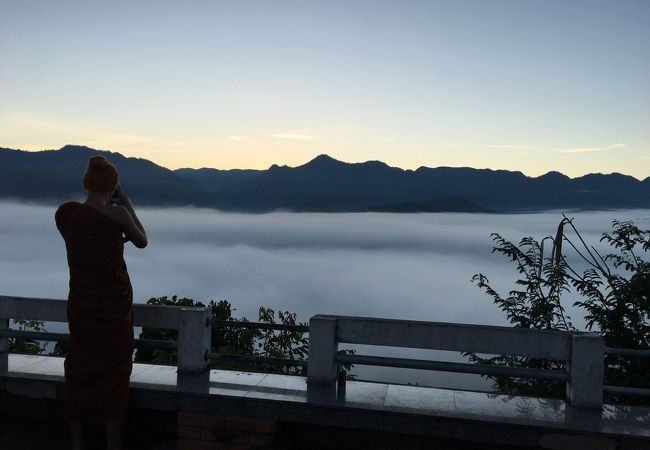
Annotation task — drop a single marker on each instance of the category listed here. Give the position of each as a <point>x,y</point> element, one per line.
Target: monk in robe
<point>100,317</point>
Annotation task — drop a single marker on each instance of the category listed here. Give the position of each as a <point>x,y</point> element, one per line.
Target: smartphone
<point>116,195</point>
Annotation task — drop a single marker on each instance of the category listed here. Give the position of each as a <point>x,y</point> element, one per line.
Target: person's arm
<point>127,217</point>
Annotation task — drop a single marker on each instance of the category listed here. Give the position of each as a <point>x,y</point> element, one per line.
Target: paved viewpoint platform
<point>450,415</point>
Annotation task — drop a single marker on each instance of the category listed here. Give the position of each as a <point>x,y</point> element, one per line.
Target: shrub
<point>614,292</point>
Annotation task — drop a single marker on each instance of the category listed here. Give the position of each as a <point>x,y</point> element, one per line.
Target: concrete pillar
<point>586,371</point>
<point>325,394</point>
<point>194,333</point>
<point>321,366</point>
<point>4,355</point>
<point>198,383</point>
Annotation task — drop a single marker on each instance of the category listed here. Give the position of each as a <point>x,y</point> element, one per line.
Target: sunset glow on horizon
<point>516,85</point>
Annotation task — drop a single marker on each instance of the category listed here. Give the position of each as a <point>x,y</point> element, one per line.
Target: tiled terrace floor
<point>359,395</point>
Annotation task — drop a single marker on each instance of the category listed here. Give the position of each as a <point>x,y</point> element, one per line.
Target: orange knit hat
<point>101,175</point>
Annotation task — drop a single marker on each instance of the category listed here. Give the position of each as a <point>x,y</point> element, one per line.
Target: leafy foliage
<point>234,340</point>
<point>225,340</point>
<point>28,346</point>
<point>283,344</point>
<point>616,301</point>
<point>61,349</point>
<point>535,303</point>
<point>230,340</point>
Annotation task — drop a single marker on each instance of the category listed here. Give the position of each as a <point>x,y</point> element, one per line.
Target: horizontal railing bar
<point>64,337</point>
<point>55,310</point>
<point>443,366</point>
<point>28,308</point>
<point>35,335</point>
<point>627,352</point>
<point>259,325</point>
<point>155,343</point>
<point>627,391</point>
<point>160,316</point>
<point>256,359</point>
<point>487,339</point>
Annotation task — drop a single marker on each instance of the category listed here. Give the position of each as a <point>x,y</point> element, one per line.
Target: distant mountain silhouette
<point>56,175</point>
<point>322,184</point>
<point>214,180</point>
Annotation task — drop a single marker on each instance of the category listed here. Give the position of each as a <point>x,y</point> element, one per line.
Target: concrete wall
<point>34,424</point>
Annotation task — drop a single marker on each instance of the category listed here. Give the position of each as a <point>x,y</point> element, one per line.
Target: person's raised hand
<point>120,197</point>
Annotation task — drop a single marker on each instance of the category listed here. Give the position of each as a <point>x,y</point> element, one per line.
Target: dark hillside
<point>56,175</point>
<point>322,184</point>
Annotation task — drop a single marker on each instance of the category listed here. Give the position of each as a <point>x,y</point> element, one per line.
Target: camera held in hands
<point>116,195</point>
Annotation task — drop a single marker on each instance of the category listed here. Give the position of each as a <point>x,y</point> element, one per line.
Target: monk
<point>100,317</point>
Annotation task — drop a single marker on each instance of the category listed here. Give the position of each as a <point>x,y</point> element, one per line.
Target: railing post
<point>586,371</point>
<point>321,366</point>
<point>4,344</point>
<point>194,335</point>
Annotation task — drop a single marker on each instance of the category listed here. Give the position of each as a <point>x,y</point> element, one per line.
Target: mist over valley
<point>406,266</point>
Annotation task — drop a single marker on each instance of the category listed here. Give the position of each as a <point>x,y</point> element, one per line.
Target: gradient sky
<point>520,85</point>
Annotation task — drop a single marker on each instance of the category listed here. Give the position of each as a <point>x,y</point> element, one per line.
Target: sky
<point>505,84</point>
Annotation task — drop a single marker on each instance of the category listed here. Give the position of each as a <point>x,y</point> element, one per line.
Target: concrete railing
<point>583,352</point>
<point>192,323</point>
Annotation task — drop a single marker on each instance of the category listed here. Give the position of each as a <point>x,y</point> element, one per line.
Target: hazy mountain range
<point>322,184</point>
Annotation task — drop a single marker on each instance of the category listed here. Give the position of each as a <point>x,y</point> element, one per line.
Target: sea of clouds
<point>406,266</point>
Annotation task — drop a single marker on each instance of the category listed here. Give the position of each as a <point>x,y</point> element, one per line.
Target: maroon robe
<point>100,315</point>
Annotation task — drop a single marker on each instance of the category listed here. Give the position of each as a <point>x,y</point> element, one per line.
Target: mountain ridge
<point>321,184</point>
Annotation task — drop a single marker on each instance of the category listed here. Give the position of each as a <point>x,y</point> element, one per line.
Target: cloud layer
<point>412,266</point>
